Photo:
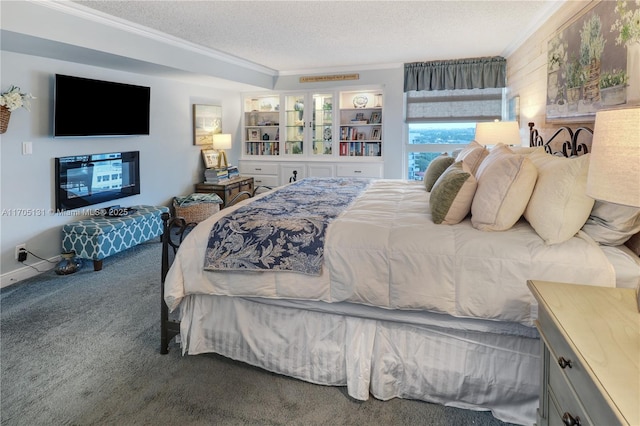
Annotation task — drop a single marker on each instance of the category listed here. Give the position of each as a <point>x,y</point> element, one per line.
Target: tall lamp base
<point>222,160</point>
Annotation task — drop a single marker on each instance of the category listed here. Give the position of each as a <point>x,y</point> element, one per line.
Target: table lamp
<point>495,132</point>
<point>222,141</point>
<point>614,167</point>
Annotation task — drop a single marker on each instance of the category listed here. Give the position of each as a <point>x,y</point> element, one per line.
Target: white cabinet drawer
<point>261,180</point>
<point>321,170</point>
<point>359,170</point>
<point>252,169</point>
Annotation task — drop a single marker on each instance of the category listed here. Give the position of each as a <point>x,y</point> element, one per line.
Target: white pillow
<point>612,224</point>
<point>505,183</point>
<point>451,196</point>
<point>559,206</point>
<point>472,155</point>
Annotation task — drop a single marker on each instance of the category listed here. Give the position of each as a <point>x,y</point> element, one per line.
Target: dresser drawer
<point>563,399</point>
<point>253,169</point>
<point>270,181</point>
<point>572,383</point>
<point>359,170</point>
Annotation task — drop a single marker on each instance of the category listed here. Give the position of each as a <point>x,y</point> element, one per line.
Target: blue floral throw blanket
<point>283,231</point>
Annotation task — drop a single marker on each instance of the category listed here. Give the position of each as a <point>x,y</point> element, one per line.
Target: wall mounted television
<point>85,180</point>
<point>85,107</point>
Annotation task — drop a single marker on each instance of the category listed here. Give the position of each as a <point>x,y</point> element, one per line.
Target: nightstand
<point>228,189</point>
<point>590,354</point>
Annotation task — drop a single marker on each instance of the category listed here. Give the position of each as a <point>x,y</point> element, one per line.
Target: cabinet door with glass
<point>262,125</point>
<point>308,124</point>
<point>361,124</point>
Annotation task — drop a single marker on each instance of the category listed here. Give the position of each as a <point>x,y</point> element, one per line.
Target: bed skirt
<point>386,359</point>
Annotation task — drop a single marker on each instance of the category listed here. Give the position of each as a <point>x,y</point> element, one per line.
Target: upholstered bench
<point>102,236</point>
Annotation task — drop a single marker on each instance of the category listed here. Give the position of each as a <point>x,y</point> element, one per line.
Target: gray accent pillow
<point>452,194</point>
<point>436,168</point>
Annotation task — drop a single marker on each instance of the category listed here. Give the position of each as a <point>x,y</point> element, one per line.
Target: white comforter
<point>385,250</point>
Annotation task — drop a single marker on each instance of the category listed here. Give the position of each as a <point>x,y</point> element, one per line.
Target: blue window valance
<point>472,73</point>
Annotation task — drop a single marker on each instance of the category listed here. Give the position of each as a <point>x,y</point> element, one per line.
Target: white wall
<point>170,163</point>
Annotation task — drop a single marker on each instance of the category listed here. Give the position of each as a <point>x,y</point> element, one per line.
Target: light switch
<point>27,148</point>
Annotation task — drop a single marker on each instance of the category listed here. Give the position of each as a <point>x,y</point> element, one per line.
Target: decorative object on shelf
<point>377,100</point>
<point>265,137</point>
<point>11,100</point>
<point>222,141</point>
<point>327,134</point>
<point>299,106</point>
<point>207,121</point>
<point>254,135</point>
<point>69,264</point>
<point>210,157</point>
<point>360,101</point>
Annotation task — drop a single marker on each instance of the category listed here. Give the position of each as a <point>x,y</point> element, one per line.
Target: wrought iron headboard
<point>570,147</point>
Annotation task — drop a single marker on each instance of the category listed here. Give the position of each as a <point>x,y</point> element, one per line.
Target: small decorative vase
<point>5,115</point>
<point>69,264</point>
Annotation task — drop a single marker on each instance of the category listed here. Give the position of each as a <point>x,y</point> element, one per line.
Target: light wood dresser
<point>590,354</point>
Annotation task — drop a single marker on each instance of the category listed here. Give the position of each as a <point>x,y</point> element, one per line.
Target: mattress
<point>384,250</point>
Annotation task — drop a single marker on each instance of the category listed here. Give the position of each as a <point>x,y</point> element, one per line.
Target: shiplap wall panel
<point>527,68</point>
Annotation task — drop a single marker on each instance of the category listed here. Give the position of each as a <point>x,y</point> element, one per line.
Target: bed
<point>385,301</point>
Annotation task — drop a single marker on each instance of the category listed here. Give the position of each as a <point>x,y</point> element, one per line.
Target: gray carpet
<point>83,349</point>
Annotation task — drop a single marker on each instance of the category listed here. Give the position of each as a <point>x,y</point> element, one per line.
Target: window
<point>445,120</point>
<point>429,140</point>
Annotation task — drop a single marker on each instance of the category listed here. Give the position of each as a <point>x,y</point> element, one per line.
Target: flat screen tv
<point>85,180</point>
<point>88,108</point>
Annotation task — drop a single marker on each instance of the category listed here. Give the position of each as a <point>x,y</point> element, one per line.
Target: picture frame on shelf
<point>376,118</point>
<point>210,157</point>
<point>253,135</point>
<point>375,134</point>
<point>207,120</point>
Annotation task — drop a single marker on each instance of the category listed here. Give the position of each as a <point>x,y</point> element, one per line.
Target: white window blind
<point>460,105</point>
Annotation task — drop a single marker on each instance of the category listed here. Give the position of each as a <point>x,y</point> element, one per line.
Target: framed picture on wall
<point>593,63</point>
<point>207,120</point>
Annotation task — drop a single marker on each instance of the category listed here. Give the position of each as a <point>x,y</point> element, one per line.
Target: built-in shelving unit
<point>360,124</point>
<point>324,133</point>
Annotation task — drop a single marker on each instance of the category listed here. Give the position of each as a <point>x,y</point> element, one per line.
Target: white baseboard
<point>25,272</point>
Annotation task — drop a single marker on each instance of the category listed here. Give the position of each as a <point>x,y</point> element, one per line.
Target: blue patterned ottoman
<point>102,236</point>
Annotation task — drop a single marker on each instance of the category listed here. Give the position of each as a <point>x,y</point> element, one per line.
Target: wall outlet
<point>20,247</point>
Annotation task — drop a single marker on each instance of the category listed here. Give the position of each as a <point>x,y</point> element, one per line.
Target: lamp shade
<point>614,167</point>
<point>221,141</point>
<point>495,132</point>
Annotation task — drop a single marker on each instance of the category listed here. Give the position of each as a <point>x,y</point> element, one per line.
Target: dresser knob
<point>569,420</point>
<point>564,363</point>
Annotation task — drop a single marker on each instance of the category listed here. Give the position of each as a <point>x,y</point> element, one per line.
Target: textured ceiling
<point>296,36</point>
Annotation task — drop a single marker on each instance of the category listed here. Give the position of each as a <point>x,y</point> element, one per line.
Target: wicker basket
<point>5,115</point>
<point>196,212</point>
